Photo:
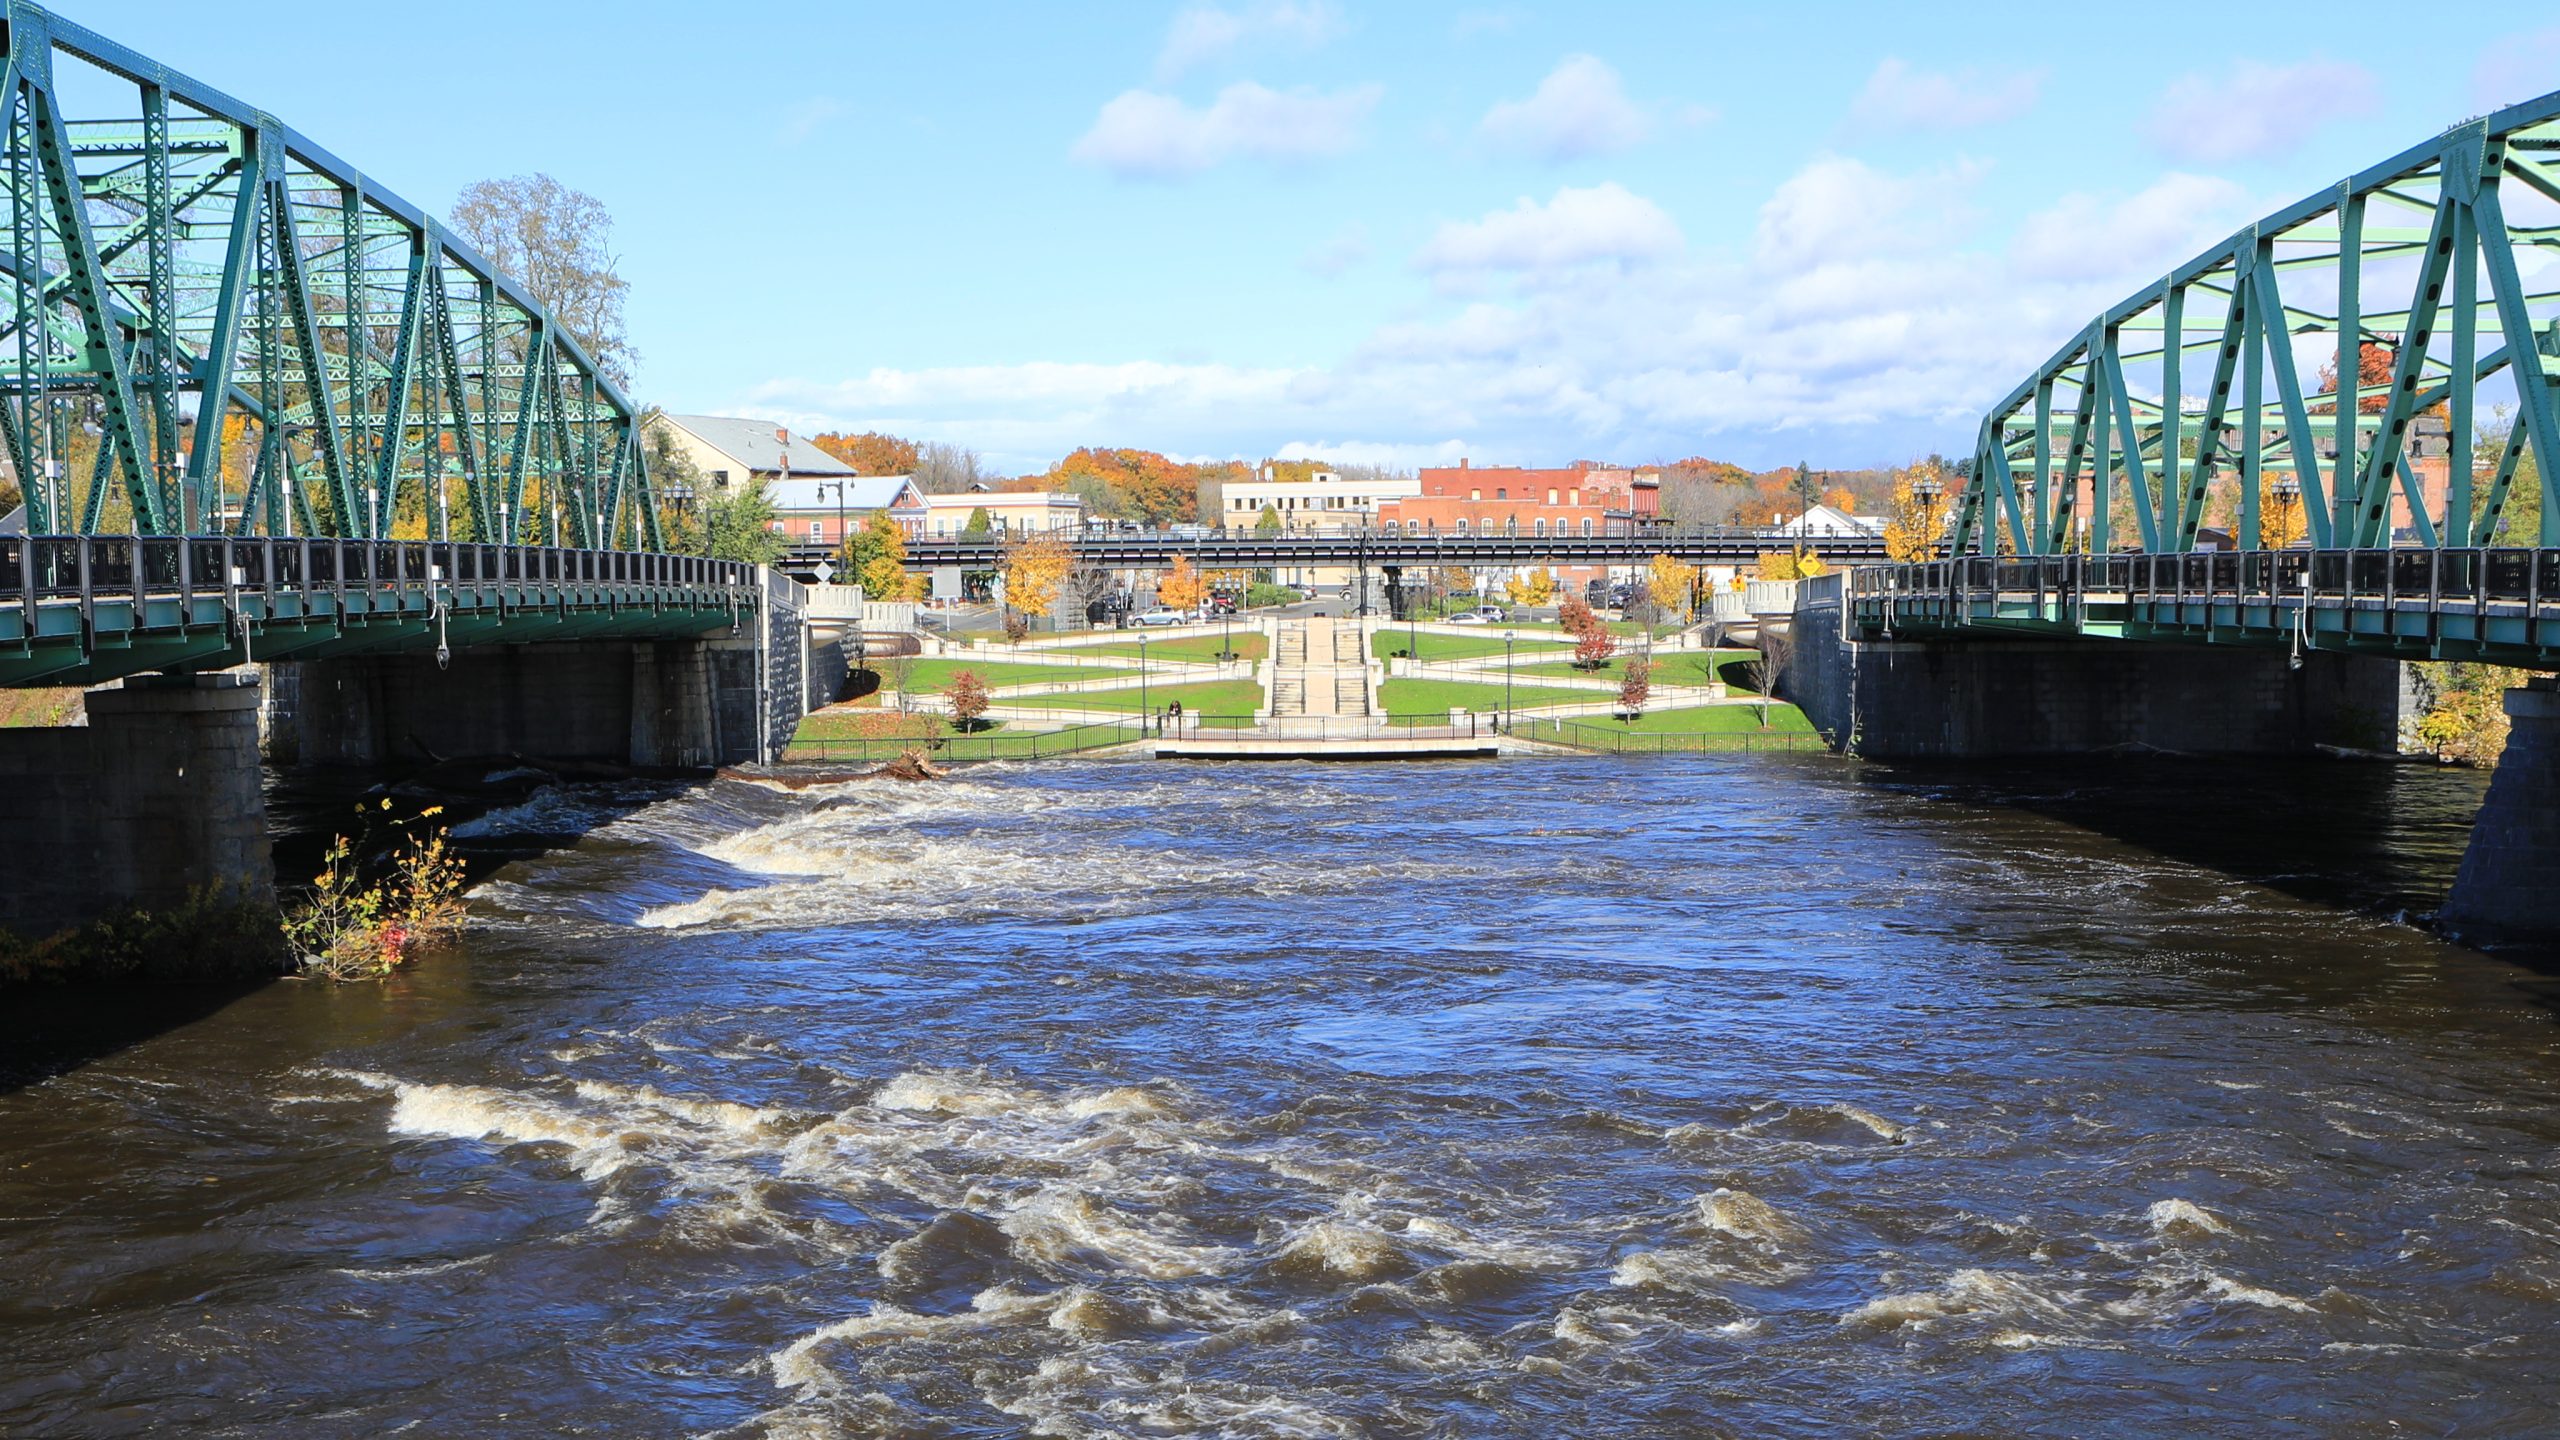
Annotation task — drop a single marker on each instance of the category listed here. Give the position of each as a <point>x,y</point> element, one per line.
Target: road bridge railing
<point>2496,604</point>
<point>86,608</point>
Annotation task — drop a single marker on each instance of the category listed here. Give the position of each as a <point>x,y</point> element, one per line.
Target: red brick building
<point>1577,500</point>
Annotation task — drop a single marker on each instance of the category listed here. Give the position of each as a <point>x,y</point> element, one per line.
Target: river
<point>1706,1096</point>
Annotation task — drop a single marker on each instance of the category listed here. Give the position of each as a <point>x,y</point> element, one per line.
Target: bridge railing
<point>35,569</point>
<point>2485,575</point>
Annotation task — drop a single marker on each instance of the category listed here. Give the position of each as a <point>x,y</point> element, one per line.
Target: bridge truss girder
<point>2476,285</point>
<point>212,323</point>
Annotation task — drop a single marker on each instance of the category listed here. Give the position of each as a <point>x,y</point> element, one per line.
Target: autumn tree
<point>1635,687</point>
<point>1131,484</point>
<point>1181,588</point>
<point>1592,642</point>
<point>876,555</point>
<point>558,244</point>
<point>870,453</point>
<point>1790,565</point>
<point>967,694</point>
<point>1840,498</point>
<point>1537,587</point>
<point>1669,582</point>
<point>2282,520</point>
<point>1035,567</point>
<point>1913,528</point>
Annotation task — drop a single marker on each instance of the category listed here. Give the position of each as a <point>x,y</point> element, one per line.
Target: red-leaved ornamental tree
<point>1592,642</point>
<point>1636,687</point>
<point>968,698</point>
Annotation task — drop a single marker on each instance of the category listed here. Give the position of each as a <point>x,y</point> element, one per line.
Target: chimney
<point>1462,462</point>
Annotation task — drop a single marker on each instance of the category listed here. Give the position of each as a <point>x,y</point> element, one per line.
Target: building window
<point>1573,497</point>
<point>1542,527</point>
<point>1551,494</point>
<point>720,479</point>
<point>817,530</point>
<point>1462,527</point>
<point>1475,494</point>
<point>1586,527</point>
<point>1501,492</point>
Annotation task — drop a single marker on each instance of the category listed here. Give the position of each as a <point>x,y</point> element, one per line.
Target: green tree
<point>732,524</point>
<point>1270,523</point>
<point>2520,519</point>
<point>981,524</point>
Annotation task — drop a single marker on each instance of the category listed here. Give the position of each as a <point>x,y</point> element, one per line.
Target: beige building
<point>1327,502</point>
<point>1010,512</point>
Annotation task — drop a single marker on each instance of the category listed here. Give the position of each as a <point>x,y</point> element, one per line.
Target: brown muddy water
<point>1709,1096</point>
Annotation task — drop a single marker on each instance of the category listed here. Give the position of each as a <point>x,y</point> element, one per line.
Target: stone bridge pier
<point>159,793</point>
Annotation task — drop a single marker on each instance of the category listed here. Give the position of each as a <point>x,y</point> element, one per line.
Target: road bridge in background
<point>1245,550</point>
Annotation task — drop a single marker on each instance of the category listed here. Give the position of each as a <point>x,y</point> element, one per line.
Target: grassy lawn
<point>1204,697</point>
<point>932,677</point>
<point>1670,667</point>
<point>1250,645</point>
<point>1704,719</point>
<point>1438,697</point>
<point>996,741</point>
<point>1456,647</point>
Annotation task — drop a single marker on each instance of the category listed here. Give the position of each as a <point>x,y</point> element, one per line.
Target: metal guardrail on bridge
<point>2496,605</point>
<point>82,609</point>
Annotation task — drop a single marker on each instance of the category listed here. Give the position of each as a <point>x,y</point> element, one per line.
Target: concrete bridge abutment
<point>156,800</point>
<point>2504,891</point>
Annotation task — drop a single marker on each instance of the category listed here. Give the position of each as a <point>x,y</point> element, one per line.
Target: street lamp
<point>1926,490</point>
<point>1145,708</point>
<point>1508,636</point>
<point>2288,492</point>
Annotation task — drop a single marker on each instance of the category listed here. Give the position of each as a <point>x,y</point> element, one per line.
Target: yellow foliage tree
<point>1181,588</point>
<point>1669,582</point>
<point>1034,568</point>
<point>881,548</point>
<point>1538,587</point>
<point>2281,522</point>
<point>1789,565</point>
<point>1912,531</point>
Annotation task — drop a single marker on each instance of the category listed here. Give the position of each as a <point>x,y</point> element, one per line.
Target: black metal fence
<point>1618,740</point>
<point>998,744</point>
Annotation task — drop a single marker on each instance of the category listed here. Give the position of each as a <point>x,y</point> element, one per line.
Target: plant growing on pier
<point>349,929</point>
<point>968,696</point>
<point>1636,687</point>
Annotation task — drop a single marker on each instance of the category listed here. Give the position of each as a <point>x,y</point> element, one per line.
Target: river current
<point>1705,1096</point>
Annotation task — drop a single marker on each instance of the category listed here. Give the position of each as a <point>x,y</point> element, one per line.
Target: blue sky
<point>1527,233</point>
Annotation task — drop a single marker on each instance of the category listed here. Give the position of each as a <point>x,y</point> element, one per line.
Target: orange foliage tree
<point>968,696</point>
<point>870,453</point>
<point>1181,588</point>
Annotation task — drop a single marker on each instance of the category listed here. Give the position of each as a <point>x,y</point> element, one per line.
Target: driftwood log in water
<point>910,765</point>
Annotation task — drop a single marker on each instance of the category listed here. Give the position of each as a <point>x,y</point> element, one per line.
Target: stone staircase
<point>1319,668</point>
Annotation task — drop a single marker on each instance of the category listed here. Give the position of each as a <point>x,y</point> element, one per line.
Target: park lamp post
<point>1508,636</point>
<point>1145,709</point>
<point>2288,492</point>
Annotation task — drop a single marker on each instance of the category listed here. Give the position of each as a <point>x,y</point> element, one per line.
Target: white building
<point>1009,512</point>
<point>1826,522</point>
<point>1325,502</point>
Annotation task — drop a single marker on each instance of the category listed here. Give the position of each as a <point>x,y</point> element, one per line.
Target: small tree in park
<point>968,696</point>
<point>1534,587</point>
<point>1668,583</point>
<point>1592,642</point>
<point>1764,673</point>
<point>1034,570</point>
<point>1636,688</point>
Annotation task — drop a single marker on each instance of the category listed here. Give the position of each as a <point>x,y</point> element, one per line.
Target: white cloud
<point>1202,34</point>
<point>2519,67</point>
<point>1870,315</point>
<point>1897,97</point>
<point>1579,109</point>
<point>1604,222</point>
<point>1141,133</point>
<point>805,119</point>
<point>2258,111</point>
<point>1346,247</point>
<point>2082,237</point>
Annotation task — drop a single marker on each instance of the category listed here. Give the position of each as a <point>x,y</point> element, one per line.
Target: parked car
<point>1492,614</point>
<point>1164,617</point>
<point>1466,617</point>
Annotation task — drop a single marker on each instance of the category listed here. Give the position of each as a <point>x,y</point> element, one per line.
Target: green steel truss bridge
<point>233,368</point>
<point>2440,268</point>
